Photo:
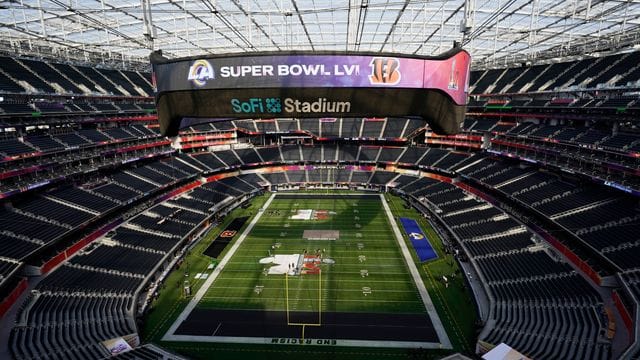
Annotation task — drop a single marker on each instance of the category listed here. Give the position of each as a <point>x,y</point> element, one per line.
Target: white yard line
<point>282,341</point>
<point>214,275</point>
<point>216,330</point>
<point>291,195</point>
<point>342,281</point>
<point>371,301</point>
<point>411,291</point>
<point>422,290</point>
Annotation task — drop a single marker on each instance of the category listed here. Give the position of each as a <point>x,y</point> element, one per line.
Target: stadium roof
<point>498,32</point>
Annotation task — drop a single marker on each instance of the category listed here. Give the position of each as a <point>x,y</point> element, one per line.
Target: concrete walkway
<point>477,289</point>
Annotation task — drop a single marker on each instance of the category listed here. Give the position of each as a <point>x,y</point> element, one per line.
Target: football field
<point>315,269</point>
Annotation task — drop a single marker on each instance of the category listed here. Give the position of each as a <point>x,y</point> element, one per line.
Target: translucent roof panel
<point>497,32</point>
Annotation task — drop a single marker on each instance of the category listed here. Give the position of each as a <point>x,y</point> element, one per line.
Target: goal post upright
<point>319,323</point>
<point>286,287</point>
<point>319,297</point>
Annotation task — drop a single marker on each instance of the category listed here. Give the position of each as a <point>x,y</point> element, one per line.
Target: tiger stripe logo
<point>384,71</point>
<point>227,233</point>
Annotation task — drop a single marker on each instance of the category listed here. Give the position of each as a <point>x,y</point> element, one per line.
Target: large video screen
<point>313,85</point>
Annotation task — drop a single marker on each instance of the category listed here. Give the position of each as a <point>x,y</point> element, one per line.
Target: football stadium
<point>306,179</point>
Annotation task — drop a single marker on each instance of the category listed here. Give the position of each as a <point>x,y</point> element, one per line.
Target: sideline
<point>205,287</point>
<point>422,290</point>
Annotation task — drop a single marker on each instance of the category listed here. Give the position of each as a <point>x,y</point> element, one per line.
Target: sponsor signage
<point>353,71</point>
<point>288,105</point>
<point>312,85</point>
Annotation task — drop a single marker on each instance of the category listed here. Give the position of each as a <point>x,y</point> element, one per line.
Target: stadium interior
<point>537,195</point>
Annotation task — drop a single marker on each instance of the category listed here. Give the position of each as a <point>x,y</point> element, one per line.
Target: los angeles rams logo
<point>200,72</point>
<point>416,236</point>
<point>384,71</point>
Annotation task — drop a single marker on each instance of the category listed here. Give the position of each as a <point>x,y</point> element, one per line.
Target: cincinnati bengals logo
<point>384,71</point>
<point>228,233</point>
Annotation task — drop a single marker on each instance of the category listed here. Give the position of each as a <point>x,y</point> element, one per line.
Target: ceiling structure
<point>495,32</point>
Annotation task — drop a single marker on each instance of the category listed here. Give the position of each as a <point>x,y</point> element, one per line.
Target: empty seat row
<point>13,146</point>
<point>73,79</point>
<point>585,73</point>
<point>533,292</point>
<point>386,128</point>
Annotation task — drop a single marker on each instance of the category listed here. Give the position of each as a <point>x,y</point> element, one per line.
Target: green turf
<point>393,289</point>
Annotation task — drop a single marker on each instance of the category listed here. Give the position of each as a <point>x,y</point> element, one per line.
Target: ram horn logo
<point>384,71</point>
<point>200,71</point>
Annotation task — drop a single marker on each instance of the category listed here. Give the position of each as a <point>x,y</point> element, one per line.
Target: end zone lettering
<point>296,341</point>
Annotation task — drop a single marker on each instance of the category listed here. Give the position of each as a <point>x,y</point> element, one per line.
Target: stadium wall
<point>624,312</point>
<point>8,301</point>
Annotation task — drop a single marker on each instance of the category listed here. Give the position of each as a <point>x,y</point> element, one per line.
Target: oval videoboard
<point>312,85</point>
